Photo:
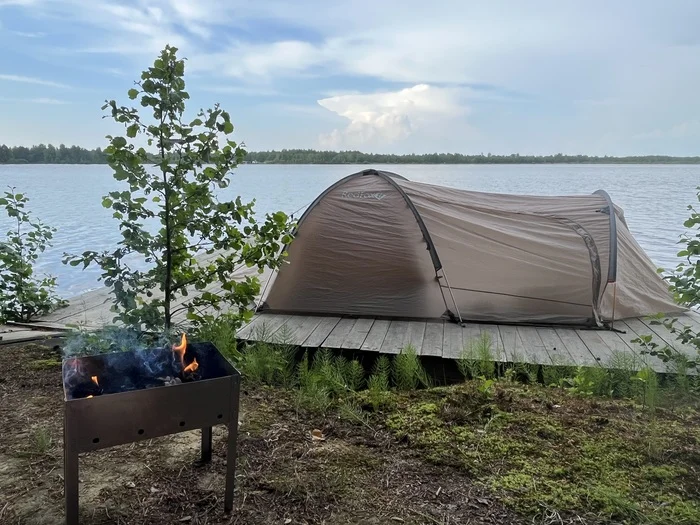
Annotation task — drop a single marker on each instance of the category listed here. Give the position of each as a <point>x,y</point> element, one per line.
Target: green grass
<point>572,460</point>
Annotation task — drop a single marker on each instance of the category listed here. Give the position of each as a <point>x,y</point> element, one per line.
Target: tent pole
<point>459,316</point>
<point>612,323</point>
<point>262,294</point>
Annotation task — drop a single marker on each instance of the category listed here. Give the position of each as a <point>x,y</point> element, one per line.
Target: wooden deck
<point>526,344</point>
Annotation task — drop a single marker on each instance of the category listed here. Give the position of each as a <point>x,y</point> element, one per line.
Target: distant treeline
<point>43,154</point>
<point>310,156</point>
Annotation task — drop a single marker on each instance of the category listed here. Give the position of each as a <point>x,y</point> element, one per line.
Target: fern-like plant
<point>408,371</point>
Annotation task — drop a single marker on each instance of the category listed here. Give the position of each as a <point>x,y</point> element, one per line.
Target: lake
<point>654,198</point>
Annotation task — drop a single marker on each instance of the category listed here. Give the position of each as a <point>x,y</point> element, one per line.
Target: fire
<point>88,397</point>
<point>94,380</point>
<point>192,367</point>
<point>181,349</point>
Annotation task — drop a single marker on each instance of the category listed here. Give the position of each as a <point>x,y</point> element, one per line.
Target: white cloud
<point>32,80</point>
<point>38,100</point>
<point>27,34</point>
<point>383,118</point>
<point>45,100</point>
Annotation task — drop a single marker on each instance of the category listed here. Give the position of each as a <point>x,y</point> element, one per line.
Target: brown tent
<point>375,244</point>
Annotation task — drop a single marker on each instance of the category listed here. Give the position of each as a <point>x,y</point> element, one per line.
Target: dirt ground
<point>357,474</point>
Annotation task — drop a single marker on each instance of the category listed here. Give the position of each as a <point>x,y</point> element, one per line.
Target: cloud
<point>38,100</point>
<point>384,118</point>
<point>32,80</point>
<point>26,34</point>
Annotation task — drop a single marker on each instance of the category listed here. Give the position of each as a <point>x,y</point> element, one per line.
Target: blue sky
<point>534,77</point>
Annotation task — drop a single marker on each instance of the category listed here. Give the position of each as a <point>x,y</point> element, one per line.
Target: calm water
<point>655,199</point>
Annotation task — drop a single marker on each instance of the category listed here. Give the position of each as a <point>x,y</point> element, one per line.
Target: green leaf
<point>133,93</point>
<point>107,202</point>
<point>228,128</point>
<point>132,130</point>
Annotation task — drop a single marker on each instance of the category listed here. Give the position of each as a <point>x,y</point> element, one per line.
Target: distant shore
<point>43,154</point>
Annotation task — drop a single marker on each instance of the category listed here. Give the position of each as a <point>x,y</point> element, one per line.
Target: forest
<point>62,154</point>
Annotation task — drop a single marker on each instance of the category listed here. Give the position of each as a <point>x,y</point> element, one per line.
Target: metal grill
<point>132,400</point>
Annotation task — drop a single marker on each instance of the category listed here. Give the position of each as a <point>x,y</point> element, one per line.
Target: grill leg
<point>231,452</point>
<point>70,480</point>
<point>206,445</point>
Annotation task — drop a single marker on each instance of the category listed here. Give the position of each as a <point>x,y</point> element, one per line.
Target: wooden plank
<point>471,334</point>
<point>496,342</point>
<point>600,350</point>
<point>634,328</point>
<point>533,347</point>
<point>375,338</point>
<point>453,342</point>
<point>271,326</point>
<point>358,334</point>
<point>432,339</point>
<point>415,335</point>
<point>320,333</point>
<point>690,318</point>
<point>305,325</point>
<point>248,330</point>
<point>16,325</point>
<point>512,344</point>
<point>558,353</point>
<point>625,354</point>
<point>339,333</point>
<point>27,335</point>
<point>395,339</point>
<point>579,352</point>
<point>661,335</point>
<point>82,306</point>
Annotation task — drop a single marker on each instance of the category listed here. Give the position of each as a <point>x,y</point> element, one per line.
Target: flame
<point>192,367</point>
<point>181,348</point>
<point>94,380</point>
<point>88,397</point>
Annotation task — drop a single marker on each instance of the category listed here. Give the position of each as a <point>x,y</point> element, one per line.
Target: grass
<point>619,444</point>
<point>585,457</point>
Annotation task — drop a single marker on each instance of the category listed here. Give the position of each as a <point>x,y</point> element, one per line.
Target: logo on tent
<point>362,195</point>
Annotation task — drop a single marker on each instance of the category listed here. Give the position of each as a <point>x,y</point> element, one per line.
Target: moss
<point>540,448</point>
<point>43,364</point>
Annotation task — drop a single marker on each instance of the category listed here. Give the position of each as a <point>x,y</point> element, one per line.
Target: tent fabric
<point>375,244</point>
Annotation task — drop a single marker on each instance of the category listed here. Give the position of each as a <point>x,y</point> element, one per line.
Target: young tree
<point>178,194</point>
<point>23,295</point>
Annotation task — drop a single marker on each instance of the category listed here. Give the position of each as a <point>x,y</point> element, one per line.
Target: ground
<point>477,453</point>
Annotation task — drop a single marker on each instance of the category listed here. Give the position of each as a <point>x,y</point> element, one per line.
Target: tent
<point>375,244</point>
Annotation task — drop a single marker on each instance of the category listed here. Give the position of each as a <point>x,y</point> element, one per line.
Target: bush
<point>23,296</point>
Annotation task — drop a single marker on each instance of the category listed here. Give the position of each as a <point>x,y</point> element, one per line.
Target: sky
<point>536,77</point>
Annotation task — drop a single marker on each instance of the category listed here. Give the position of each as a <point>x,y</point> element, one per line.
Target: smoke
<point>122,358</point>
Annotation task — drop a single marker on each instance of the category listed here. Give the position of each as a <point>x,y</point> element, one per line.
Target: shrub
<point>24,296</point>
